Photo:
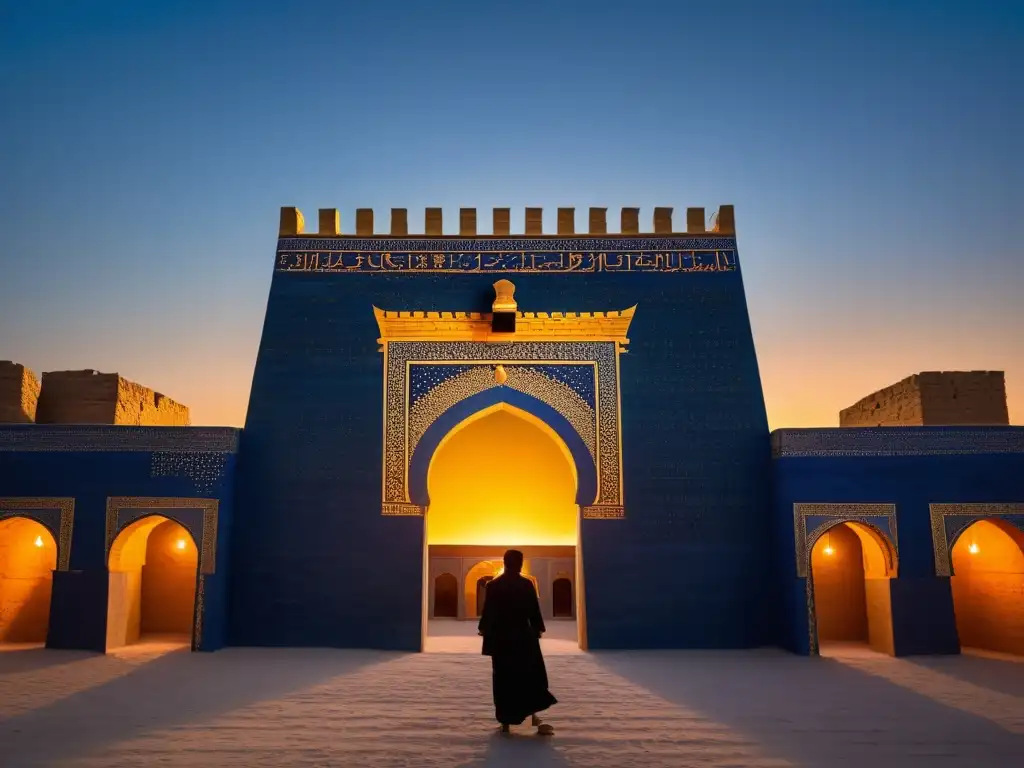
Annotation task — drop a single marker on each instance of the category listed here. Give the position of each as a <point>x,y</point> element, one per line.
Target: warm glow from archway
<point>28,557</point>
<point>504,480</point>
<point>988,579</point>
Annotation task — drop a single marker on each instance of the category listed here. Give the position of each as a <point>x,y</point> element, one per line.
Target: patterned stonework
<point>405,423</point>
<point>205,470</point>
<point>896,441</point>
<point>197,618</point>
<point>86,438</point>
<point>56,514</point>
<point>950,520</point>
<point>122,511</point>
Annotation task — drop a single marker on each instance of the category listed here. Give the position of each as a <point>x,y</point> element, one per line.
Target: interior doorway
<point>988,587</point>
<point>851,564</point>
<point>477,512</point>
<point>28,558</point>
<point>154,568</point>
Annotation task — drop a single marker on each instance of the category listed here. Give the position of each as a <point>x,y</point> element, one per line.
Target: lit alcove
<point>154,566</point>
<point>479,576</point>
<point>28,558</point>
<point>988,587</point>
<point>850,572</point>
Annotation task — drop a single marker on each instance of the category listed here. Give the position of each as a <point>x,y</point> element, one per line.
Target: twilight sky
<point>874,152</point>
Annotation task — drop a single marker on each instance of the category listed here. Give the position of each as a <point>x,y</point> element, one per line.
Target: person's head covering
<point>513,561</point>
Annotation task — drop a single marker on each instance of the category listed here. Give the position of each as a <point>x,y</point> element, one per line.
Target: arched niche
<point>28,558</point>
<point>851,563</point>
<point>154,569</point>
<point>987,582</point>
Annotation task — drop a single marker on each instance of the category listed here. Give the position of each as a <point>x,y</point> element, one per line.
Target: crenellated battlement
<point>330,224</point>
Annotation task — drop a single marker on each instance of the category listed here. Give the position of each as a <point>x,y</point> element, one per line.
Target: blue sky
<point>873,152</point>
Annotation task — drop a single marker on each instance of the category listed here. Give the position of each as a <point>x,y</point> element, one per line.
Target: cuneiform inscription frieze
<point>719,260</point>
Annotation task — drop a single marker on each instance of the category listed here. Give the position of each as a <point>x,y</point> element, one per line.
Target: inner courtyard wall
<point>90,465</point>
<point>19,393</point>
<point>90,397</point>
<point>695,465</point>
<point>908,468</point>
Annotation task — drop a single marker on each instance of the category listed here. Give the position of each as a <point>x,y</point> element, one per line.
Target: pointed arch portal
<point>525,406</point>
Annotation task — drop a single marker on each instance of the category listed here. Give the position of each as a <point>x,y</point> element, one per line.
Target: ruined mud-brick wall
<point>89,397</point>
<point>934,398</point>
<point>19,393</point>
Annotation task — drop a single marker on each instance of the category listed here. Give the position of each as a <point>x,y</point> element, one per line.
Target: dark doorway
<point>561,598</point>
<point>481,593</point>
<point>446,597</point>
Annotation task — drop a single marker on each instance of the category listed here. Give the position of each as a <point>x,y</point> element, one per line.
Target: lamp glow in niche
<point>180,544</point>
<point>973,548</point>
<point>39,541</point>
<point>828,545</point>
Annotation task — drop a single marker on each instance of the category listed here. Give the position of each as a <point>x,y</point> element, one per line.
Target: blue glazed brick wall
<point>976,475</point>
<point>29,467</point>
<point>315,563</point>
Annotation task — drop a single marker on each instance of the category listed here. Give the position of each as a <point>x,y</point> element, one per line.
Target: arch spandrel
<point>578,380</point>
<point>56,514</point>
<point>949,521</point>
<point>810,521</point>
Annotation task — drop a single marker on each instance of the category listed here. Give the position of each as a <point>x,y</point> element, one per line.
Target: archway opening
<point>561,598</point>
<point>851,564</point>
<point>154,567</point>
<point>446,596</point>
<point>28,558</point>
<point>501,479</point>
<point>988,584</point>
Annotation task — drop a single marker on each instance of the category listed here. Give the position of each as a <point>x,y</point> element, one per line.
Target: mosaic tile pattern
<point>56,514</point>
<point>200,607</point>
<point>400,356</point>
<point>948,521</point>
<point>896,441</point>
<point>74,438</point>
<point>534,381</point>
<point>205,470</point>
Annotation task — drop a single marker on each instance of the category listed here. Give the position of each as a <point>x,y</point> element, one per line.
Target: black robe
<point>511,625</point>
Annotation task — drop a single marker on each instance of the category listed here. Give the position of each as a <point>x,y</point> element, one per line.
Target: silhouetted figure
<point>511,626</point>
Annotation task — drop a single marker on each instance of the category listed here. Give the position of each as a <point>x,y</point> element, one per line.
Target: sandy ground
<point>158,705</point>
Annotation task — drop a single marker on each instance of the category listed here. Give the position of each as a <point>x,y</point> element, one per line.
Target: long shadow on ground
<point>1001,675</point>
<point>180,687</point>
<point>817,711</point>
<point>15,660</point>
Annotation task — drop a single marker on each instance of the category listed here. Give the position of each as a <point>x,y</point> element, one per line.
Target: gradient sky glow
<point>874,153</point>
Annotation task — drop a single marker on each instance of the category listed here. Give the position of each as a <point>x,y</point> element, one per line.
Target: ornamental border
<point>399,355</point>
<point>29,507</point>
<point>942,537</point>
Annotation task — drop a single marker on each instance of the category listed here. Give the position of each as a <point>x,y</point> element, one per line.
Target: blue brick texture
<point>315,563</point>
